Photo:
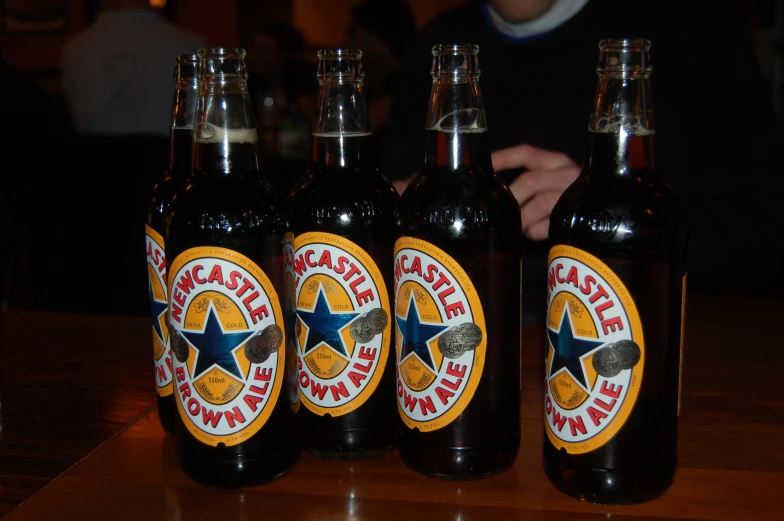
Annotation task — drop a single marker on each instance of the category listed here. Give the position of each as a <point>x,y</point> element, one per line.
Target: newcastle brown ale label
<point>227,338</point>
<point>342,328</point>
<point>441,335</point>
<point>595,358</point>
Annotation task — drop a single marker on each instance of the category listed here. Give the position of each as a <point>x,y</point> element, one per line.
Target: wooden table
<point>74,381</point>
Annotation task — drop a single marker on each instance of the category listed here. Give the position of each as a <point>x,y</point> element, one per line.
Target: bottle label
<point>289,319</point>
<point>596,352</point>
<point>156,279</point>
<point>342,326</point>
<point>226,335</point>
<point>441,335</point>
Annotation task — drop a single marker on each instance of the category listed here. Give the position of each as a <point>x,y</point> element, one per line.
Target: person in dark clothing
<point>36,142</point>
<point>382,29</point>
<point>718,143</point>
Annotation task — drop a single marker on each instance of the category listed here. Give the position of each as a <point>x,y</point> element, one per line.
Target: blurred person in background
<point>282,86</point>
<point>117,72</point>
<point>117,80</point>
<point>35,144</point>
<point>382,30</point>
<point>274,51</point>
<point>718,142</point>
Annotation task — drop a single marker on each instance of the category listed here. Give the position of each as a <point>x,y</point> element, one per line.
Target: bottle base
<point>609,487</point>
<point>349,444</point>
<point>350,455</point>
<point>167,409</point>
<point>240,471</point>
<point>460,464</point>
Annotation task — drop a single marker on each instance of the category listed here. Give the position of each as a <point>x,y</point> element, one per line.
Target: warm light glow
<point>158,4</point>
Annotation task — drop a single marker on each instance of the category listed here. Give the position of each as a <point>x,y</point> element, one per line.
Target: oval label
<point>596,351</point>
<point>226,338</point>
<point>342,326</point>
<point>441,335</point>
<point>156,280</point>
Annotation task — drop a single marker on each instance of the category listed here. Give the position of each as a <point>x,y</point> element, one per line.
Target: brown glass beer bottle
<point>616,289</point>
<point>345,223</point>
<point>186,93</point>
<point>224,236</point>
<point>457,290</point>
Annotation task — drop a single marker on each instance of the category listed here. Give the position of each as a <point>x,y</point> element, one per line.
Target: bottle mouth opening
<point>453,49</point>
<point>187,68</point>
<point>625,45</point>
<point>185,59</point>
<point>339,53</point>
<point>222,52</point>
<point>622,58</point>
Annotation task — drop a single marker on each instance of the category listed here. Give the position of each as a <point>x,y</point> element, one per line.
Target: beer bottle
<point>186,92</point>
<point>224,238</point>
<point>616,288</point>
<point>457,290</point>
<point>344,219</point>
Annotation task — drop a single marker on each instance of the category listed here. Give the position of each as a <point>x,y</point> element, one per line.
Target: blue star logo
<point>417,335</point>
<point>569,349</point>
<point>157,308</point>
<point>215,346</point>
<point>324,325</point>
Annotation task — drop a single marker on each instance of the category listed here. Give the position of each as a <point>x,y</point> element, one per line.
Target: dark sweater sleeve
<point>736,188</point>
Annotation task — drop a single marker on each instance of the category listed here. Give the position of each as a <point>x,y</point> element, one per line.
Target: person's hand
<point>536,190</point>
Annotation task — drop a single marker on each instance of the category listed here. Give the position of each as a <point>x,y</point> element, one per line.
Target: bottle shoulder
<point>165,187</point>
<point>456,204</point>
<point>210,207</point>
<point>625,216</point>
<point>343,202</point>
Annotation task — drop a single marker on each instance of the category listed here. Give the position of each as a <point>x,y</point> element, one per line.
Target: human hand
<point>538,189</point>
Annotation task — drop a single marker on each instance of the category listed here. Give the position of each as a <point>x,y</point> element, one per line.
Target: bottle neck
<point>225,140</point>
<point>349,151</point>
<point>186,96</point>
<point>457,150</point>
<point>622,129</point>
<point>456,130</point>
<point>341,130</point>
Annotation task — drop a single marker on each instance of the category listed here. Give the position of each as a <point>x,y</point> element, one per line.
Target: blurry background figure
<point>35,142</point>
<point>117,81</point>
<point>765,24</point>
<point>381,29</point>
<point>778,62</point>
<point>116,72</point>
<point>282,85</point>
<point>717,140</point>
<point>272,50</point>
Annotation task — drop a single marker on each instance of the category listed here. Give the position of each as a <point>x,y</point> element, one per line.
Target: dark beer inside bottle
<point>226,151</point>
<point>620,211</point>
<point>227,204</point>
<point>181,147</point>
<point>460,205</point>
<point>346,151</point>
<point>179,168</point>
<point>162,193</point>
<point>343,193</point>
